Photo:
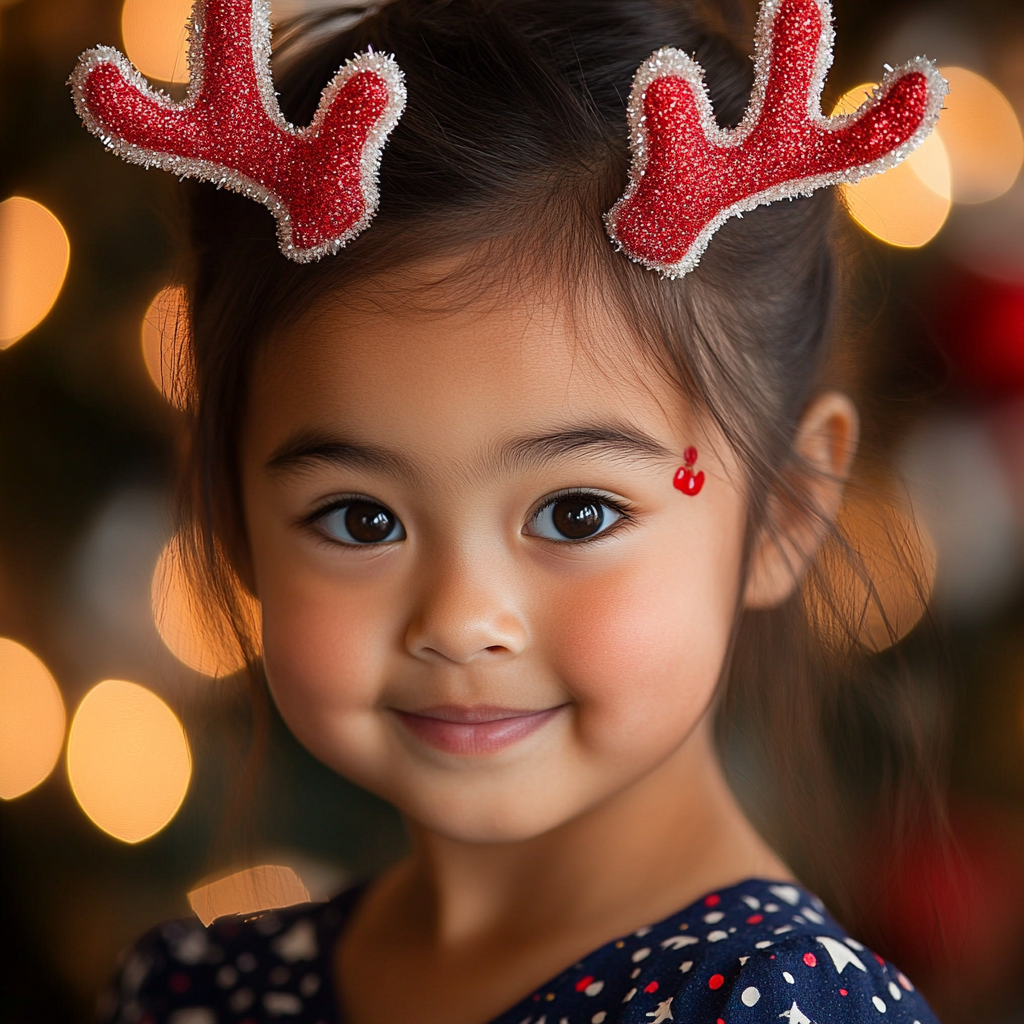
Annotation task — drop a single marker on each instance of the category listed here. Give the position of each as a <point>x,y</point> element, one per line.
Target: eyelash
<point>624,512</point>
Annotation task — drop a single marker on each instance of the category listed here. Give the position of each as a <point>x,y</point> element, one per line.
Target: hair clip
<point>320,182</point>
<point>688,176</point>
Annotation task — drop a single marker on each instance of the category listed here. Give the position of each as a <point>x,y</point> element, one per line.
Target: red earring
<point>686,480</point>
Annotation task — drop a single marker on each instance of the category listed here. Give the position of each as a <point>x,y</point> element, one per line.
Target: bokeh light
<point>163,332</point>
<point>982,136</point>
<point>155,37</point>
<point>908,204</point>
<point>265,887</point>
<point>128,760</point>
<point>31,720</point>
<point>34,256</point>
<point>207,647</point>
<point>880,594</point>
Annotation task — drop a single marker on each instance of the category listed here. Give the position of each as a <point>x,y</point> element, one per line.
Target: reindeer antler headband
<point>687,178</point>
<point>320,182</point>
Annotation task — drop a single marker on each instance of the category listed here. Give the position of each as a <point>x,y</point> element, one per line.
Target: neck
<point>635,858</point>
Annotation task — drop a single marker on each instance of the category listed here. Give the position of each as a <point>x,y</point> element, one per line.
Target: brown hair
<point>515,139</point>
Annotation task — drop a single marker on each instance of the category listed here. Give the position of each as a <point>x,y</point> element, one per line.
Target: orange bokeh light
<point>31,720</point>
<point>128,760</point>
<point>265,887</point>
<point>908,204</point>
<point>884,591</point>
<point>163,333</point>
<point>34,257</point>
<point>208,647</point>
<point>155,37</point>
<point>982,135</point>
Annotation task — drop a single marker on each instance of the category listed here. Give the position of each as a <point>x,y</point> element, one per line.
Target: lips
<point>473,730</point>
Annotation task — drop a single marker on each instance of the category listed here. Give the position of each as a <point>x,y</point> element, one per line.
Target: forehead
<point>440,365</point>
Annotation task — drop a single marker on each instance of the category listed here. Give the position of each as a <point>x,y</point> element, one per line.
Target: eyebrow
<point>617,440</point>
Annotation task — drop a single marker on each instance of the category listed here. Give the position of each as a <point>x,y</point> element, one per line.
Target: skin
<point>611,813</point>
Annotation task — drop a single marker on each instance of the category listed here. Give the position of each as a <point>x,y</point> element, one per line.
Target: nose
<point>466,613</point>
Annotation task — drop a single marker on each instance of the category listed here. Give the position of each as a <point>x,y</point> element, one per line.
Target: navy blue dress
<point>755,953</point>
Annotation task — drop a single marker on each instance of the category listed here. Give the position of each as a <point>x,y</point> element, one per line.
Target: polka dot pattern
<point>755,953</point>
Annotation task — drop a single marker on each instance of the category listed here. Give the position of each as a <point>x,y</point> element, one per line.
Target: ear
<point>825,442</point>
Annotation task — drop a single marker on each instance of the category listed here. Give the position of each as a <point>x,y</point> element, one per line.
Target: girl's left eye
<point>361,522</point>
<point>575,517</point>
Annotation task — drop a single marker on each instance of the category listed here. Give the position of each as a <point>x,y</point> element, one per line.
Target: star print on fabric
<point>841,955</point>
<point>663,1012</point>
<point>796,1015</point>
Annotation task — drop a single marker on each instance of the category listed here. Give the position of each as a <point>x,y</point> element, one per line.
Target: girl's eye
<point>362,522</point>
<point>578,517</point>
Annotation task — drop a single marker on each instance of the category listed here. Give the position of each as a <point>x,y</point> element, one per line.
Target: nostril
<point>497,648</point>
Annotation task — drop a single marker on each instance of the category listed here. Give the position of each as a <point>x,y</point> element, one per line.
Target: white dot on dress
<point>879,1005</point>
<point>641,954</point>
<point>718,936</point>
<point>598,1017</point>
<point>714,917</point>
<point>750,996</point>
<point>685,966</point>
<point>894,991</point>
<point>788,978</point>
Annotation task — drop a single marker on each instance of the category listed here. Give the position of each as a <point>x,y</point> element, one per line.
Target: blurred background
<point>124,737</point>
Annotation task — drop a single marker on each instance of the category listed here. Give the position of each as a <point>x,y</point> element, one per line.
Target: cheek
<point>642,649</point>
<point>324,648</point>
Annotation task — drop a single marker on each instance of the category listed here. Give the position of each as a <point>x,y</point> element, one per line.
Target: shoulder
<point>274,964</point>
<point>760,952</point>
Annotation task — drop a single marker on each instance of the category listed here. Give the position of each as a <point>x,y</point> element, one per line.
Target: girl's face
<point>483,597</point>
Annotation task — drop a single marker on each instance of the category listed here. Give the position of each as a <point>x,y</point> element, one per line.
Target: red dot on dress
<point>714,899</point>
<point>651,986</point>
<point>584,982</point>
<point>810,959</point>
<point>755,919</point>
<point>881,960</point>
<point>716,981</point>
<point>843,992</point>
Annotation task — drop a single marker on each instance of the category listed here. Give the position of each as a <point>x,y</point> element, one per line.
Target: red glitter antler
<point>689,176</point>
<point>320,182</point>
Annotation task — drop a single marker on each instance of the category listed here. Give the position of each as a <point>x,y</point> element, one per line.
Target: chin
<point>484,819</point>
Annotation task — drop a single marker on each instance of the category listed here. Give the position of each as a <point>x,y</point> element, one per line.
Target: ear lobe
<point>824,447</point>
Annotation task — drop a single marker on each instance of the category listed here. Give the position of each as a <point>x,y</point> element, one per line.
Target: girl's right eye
<point>361,522</point>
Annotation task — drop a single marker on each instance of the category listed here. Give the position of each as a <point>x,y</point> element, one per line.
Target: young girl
<point>525,520</point>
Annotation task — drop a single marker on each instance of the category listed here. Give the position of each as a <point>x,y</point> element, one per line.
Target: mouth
<point>473,730</point>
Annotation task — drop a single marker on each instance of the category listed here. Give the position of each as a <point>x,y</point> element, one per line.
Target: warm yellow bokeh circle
<point>164,332</point>
<point>973,156</point>
<point>155,37</point>
<point>207,647</point>
<point>34,257</point>
<point>908,204</point>
<point>31,720</point>
<point>128,760</point>
<point>982,135</point>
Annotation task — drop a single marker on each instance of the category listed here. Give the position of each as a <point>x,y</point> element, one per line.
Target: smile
<point>473,730</point>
